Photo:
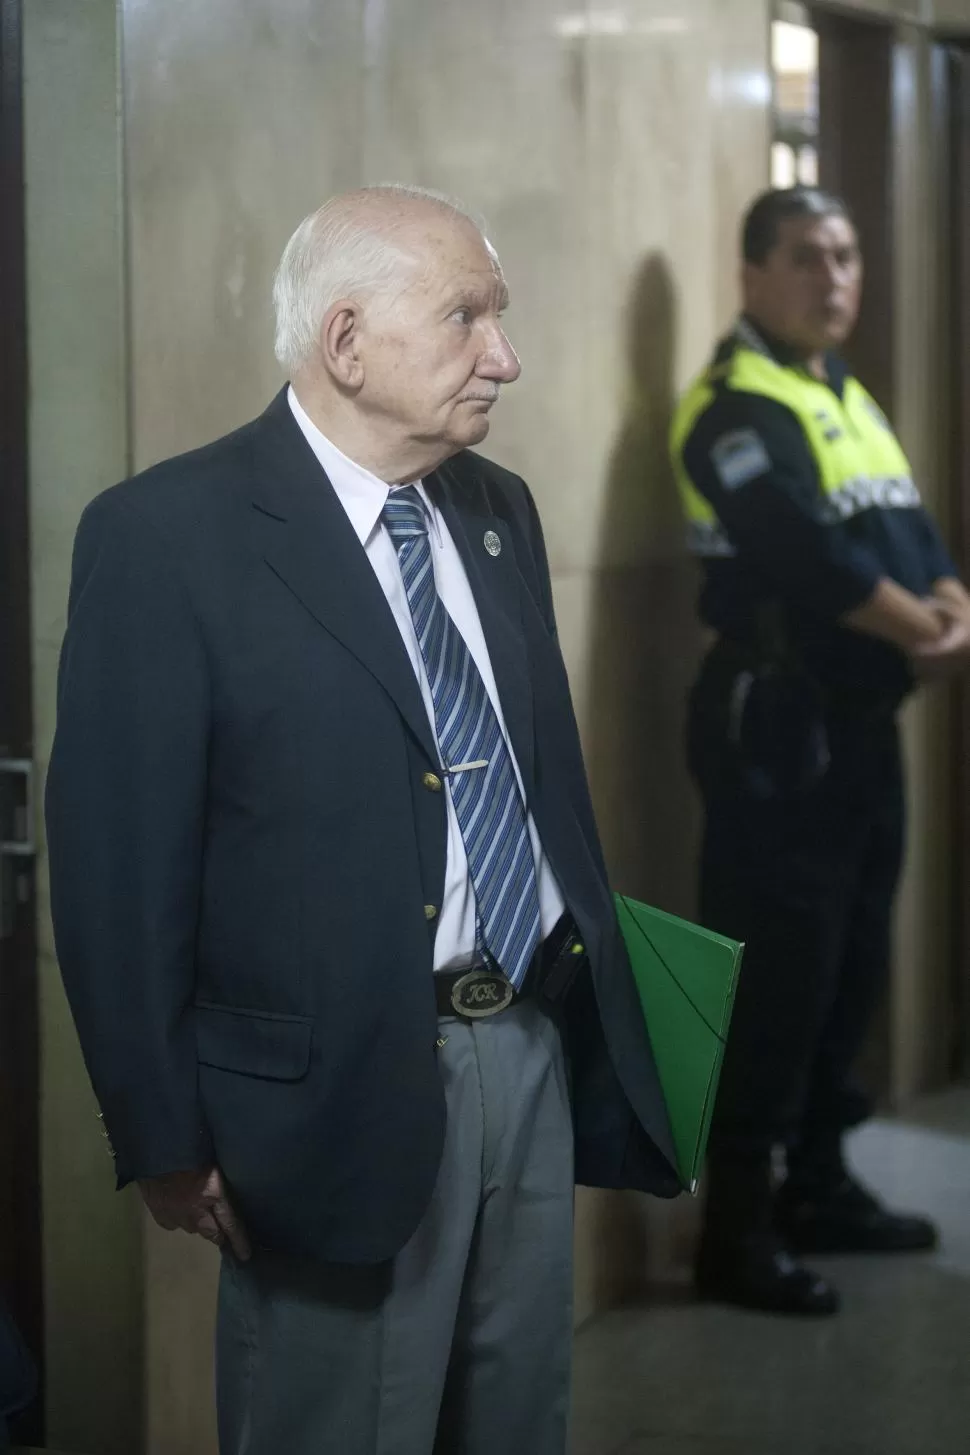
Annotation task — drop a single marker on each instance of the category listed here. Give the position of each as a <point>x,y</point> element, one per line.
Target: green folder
<point>686,978</point>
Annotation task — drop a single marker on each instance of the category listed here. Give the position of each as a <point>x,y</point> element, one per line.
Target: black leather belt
<point>482,990</point>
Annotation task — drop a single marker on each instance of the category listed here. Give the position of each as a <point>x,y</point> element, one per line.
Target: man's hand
<point>950,653</point>
<point>896,615</point>
<point>196,1202</point>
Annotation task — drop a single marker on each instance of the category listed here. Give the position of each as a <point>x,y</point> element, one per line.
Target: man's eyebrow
<point>818,248</point>
<point>476,293</point>
<point>462,293</point>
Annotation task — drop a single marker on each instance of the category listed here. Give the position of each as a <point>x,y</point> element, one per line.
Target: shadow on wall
<point>645,640</point>
<point>644,647</point>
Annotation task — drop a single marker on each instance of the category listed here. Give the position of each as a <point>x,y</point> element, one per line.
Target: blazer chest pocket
<point>253,1042</point>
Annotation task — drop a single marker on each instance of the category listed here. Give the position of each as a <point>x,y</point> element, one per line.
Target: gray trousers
<point>462,1344</point>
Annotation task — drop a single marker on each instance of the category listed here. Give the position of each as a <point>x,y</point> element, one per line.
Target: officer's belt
<point>839,702</point>
<point>482,990</point>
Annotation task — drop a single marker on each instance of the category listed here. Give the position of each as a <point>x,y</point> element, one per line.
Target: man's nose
<point>499,360</point>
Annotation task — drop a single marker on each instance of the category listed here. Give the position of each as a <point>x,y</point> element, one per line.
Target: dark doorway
<point>855,114</point>
<point>855,161</point>
<point>20,1212</point>
<point>951,65</point>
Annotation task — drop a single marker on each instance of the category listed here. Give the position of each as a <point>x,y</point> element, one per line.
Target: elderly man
<point>329,901</point>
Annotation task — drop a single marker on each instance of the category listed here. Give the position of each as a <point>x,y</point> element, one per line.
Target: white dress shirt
<point>363,497</point>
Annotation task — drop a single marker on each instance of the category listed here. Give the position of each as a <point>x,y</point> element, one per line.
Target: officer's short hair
<point>759,232</point>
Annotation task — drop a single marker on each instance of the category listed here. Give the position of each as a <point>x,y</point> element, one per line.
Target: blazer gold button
<point>430,911</point>
<point>432,781</point>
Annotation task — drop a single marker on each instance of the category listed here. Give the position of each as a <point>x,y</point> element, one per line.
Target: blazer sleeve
<point>125,819</point>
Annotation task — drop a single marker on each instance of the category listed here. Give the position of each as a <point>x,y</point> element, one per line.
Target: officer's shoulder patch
<point>739,456</point>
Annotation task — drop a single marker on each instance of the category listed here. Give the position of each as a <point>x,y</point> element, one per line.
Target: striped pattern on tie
<point>488,803</point>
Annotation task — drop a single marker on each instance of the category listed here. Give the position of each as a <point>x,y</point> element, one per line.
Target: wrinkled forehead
<point>450,253</point>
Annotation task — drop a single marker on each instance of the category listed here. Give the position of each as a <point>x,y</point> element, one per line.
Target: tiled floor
<point>890,1376</point>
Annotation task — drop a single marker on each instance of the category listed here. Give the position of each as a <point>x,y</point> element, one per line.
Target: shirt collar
<point>754,337</point>
<point>362,495</point>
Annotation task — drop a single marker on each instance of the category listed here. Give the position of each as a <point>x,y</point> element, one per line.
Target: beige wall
<point>612,162</point>
<point>77,437</point>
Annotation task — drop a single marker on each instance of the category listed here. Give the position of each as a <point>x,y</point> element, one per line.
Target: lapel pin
<point>492,543</point>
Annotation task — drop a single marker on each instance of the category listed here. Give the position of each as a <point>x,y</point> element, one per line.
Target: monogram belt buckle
<point>481,993</point>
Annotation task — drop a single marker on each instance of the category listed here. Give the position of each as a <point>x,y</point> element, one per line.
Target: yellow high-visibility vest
<point>859,460</point>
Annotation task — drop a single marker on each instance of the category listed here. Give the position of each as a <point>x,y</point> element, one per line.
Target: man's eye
<point>462,315</point>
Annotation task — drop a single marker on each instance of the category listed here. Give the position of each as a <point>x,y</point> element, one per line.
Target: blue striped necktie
<point>488,803</point>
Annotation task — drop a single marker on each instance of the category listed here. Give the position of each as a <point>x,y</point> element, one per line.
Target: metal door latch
<point>18,844</point>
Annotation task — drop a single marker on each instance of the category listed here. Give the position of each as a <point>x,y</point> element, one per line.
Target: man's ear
<point>339,344</point>
<point>752,281</point>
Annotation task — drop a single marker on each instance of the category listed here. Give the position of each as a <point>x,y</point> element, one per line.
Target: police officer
<point>831,594</point>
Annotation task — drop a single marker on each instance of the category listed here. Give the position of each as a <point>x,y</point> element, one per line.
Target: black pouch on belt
<point>757,718</point>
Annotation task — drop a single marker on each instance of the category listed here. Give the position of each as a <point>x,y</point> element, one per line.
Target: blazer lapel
<point>494,580</point>
<point>311,545</point>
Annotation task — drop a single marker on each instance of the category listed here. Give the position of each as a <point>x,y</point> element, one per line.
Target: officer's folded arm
<point>930,630</point>
<point>897,616</point>
<point>780,529</point>
<point>776,518</point>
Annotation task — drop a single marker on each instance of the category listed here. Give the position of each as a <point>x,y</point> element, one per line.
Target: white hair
<point>341,251</point>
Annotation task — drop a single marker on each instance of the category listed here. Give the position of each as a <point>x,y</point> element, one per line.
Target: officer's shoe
<point>759,1273</point>
<point>845,1218</point>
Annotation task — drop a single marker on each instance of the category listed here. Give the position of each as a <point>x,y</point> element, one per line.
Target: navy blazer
<point>242,847</point>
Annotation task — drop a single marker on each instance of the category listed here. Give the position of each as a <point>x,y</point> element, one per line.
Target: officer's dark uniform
<point>799,499</point>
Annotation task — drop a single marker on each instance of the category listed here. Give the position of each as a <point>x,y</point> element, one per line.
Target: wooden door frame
<point>20,1205</point>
